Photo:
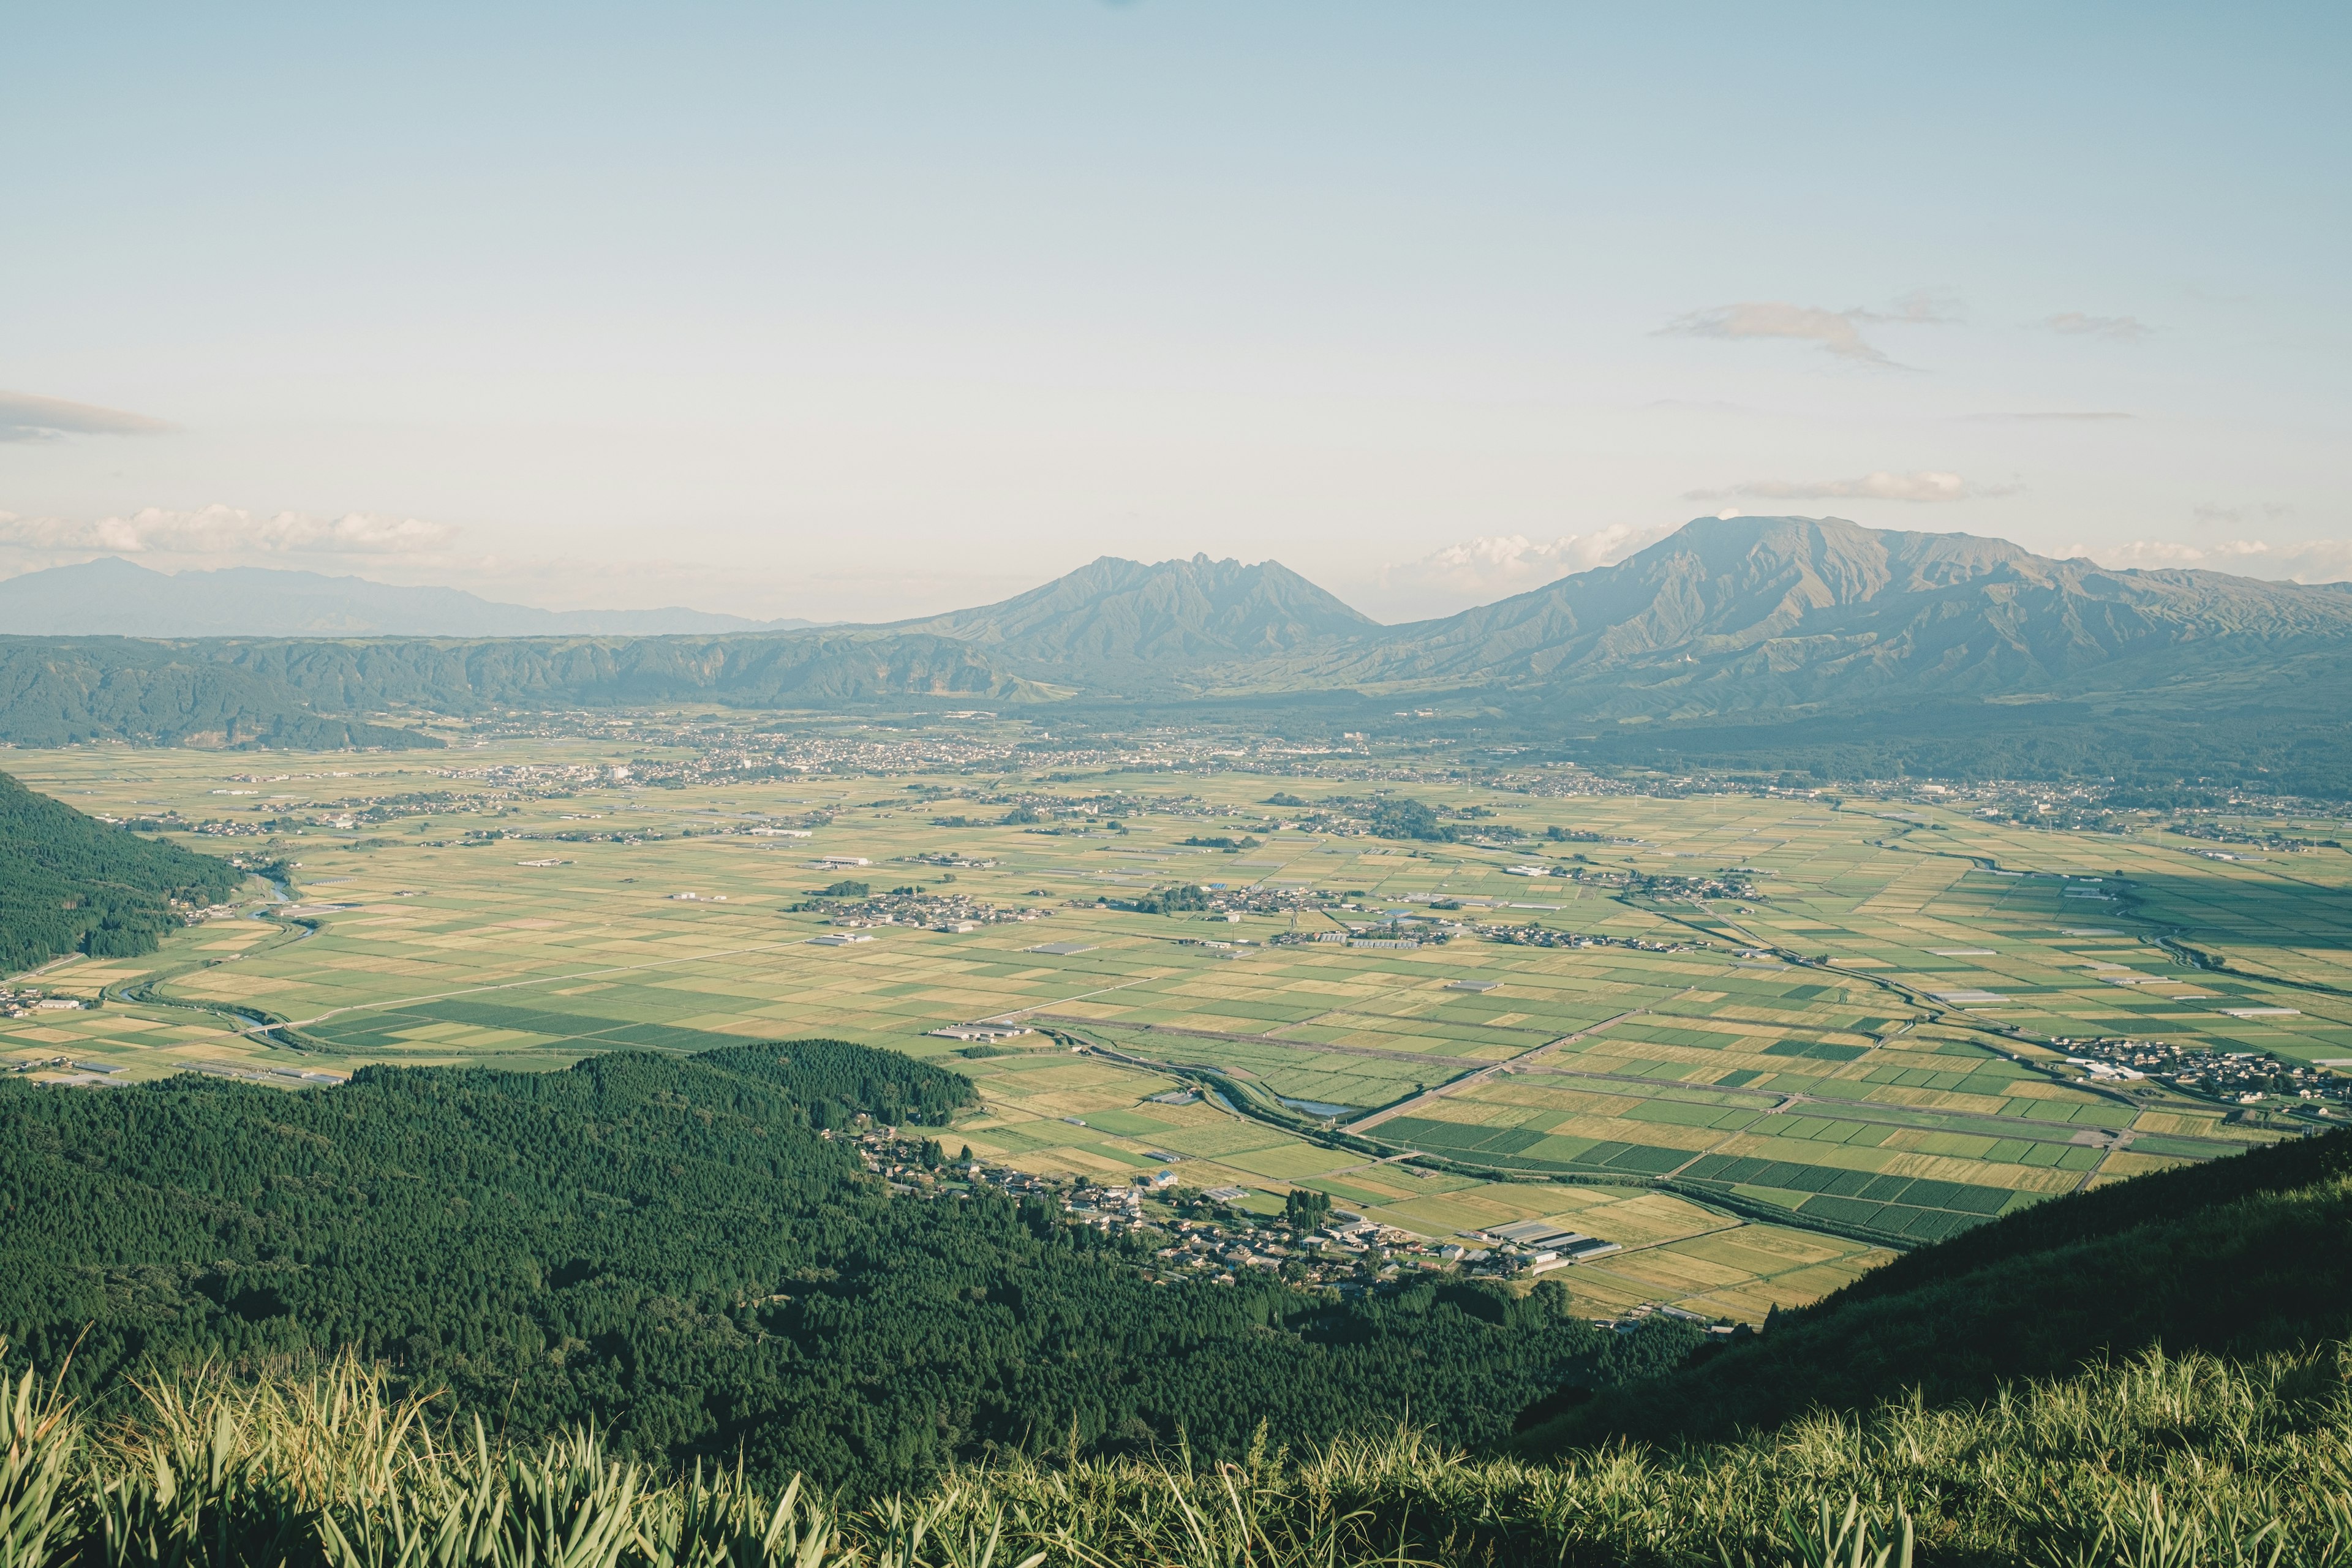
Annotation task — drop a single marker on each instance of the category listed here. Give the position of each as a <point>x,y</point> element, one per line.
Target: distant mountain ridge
<point>114,597</point>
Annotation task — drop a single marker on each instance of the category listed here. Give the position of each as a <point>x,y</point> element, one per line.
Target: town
<point>1177,1233</point>
<point>2234,1078</point>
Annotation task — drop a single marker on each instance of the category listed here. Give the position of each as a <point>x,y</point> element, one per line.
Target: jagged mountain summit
<point>114,597</point>
<point>1120,612</point>
<point>1730,615</point>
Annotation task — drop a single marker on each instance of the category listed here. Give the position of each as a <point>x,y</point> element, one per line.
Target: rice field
<point>1873,1072</point>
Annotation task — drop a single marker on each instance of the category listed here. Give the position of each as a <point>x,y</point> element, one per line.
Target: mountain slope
<point>1732,615</point>
<point>2243,1256</point>
<point>72,883</point>
<point>114,597</point>
<point>1118,612</point>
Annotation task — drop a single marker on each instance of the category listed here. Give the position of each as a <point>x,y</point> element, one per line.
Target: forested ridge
<point>69,883</point>
<point>309,693</point>
<point>668,1247</point>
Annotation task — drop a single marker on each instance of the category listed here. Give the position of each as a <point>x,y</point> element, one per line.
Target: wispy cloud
<point>226,530</point>
<point>2048,416</point>
<point>1837,334</point>
<point>1698,405</point>
<point>1924,485</point>
<point>2309,561</point>
<point>26,417</point>
<point>2240,514</point>
<point>2115,328</point>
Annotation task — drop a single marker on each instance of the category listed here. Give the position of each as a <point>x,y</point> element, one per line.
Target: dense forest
<point>670,1248</point>
<point>2243,1256</point>
<point>69,883</point>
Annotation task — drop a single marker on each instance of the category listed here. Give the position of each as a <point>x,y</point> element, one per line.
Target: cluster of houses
<point>2234,1078</point>
<point>952,912</point>
<point>1533,935</point>
<point>1211,1236</point>
<point>22,1003</point>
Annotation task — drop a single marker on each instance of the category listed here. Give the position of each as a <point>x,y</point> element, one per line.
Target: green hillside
<point>666,1247</point>
<point>63,692</point>
<point>2240,1257</point>
<point>69,883</point>
<point>309,694</point>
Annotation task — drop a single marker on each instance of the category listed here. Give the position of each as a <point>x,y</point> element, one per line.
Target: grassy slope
<point>2244,1255</point>
<point>2176,1463</point>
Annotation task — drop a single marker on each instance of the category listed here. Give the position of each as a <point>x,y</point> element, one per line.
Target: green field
<point>1751,1129</point>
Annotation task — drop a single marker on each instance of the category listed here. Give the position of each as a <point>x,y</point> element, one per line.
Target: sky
<point>862,310</point>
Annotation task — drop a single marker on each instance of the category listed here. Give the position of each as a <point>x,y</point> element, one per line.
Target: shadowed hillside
<point>2244,1255</point>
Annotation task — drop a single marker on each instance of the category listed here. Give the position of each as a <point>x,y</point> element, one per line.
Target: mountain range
<point>1740,621</point>
<point>1736,614</point>
<point>1724,617</point>
<point>114,597</point>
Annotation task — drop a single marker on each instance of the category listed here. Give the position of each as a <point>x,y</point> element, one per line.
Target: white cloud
<point>1494,565</point>
<point>1837,332</point>
<point>2115,328</point>
<point>226,530</point>
<point>2309,561</point>
<point>26,417</point>
<point>1925,485</point>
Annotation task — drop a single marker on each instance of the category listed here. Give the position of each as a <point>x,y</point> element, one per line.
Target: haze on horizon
<point>864,312</point>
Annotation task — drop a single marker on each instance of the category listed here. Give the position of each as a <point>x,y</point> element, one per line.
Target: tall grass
<point>2158,1463</point>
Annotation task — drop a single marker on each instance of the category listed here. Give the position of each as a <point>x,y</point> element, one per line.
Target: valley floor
<point>1753,1040</point>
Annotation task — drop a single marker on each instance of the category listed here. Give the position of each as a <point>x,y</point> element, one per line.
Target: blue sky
<point>869,310</point>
